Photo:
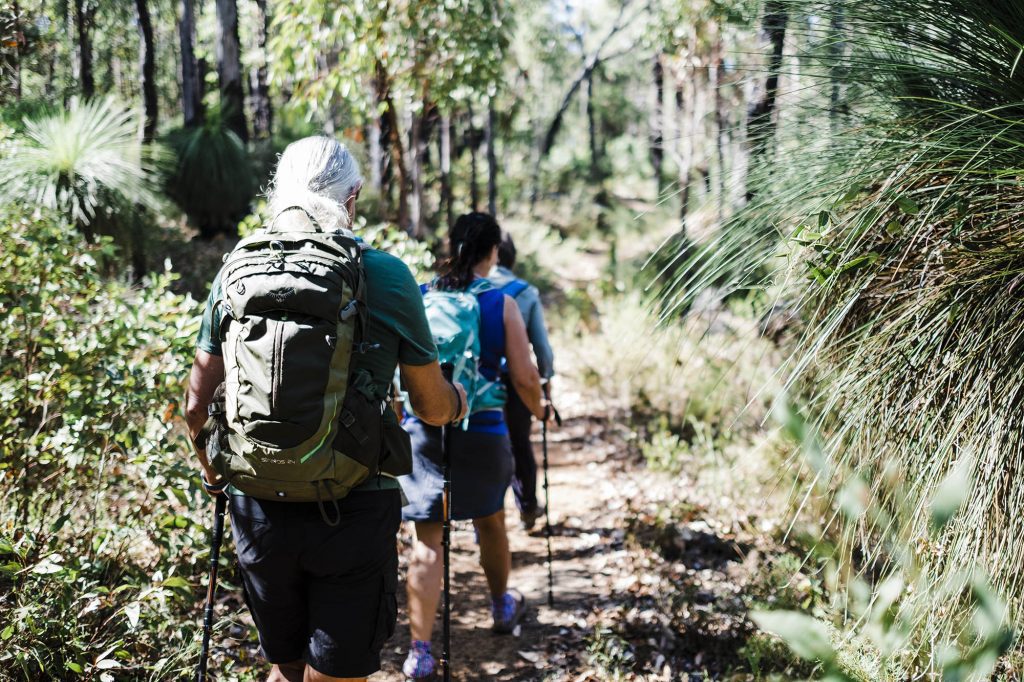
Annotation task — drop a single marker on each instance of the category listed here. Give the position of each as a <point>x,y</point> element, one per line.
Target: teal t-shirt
<point>396,321</point>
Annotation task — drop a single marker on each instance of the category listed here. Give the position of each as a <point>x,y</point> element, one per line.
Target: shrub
<point>676,375</point>
<point>98,543</point>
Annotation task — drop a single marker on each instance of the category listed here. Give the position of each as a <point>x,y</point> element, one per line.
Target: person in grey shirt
<point>517,416</point>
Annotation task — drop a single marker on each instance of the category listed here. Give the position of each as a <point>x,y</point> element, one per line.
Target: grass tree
<point>87,164</point>
<point>899,221</point>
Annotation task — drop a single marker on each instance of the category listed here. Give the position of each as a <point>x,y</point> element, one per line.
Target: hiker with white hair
<point>303,330</point>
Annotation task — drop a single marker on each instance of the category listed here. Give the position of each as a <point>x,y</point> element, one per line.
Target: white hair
<point>318,174</point>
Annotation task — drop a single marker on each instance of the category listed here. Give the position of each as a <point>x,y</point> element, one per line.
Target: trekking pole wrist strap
<point>213,488</point>
<point>458,404</point>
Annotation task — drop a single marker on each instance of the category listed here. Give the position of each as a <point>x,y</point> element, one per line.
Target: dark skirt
<point>481,465</point>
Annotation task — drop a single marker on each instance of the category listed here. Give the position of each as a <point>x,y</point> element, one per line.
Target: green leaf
<point>860,261</point>
<point>854,498</point>
<point>132,612</point>
<point>806,636</point>
<point>951,494</point>
<point>73,667</point>
<point>177,582</point>
<point>851,194</point>
<point>908,205</point>
<point>7,633</point>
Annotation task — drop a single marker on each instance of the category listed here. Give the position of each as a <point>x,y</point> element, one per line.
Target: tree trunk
<point>658,123</point>
<point>444,153</point>
<point>147,67</point>
<point>263,113</point>
<point>492,161</point>
<point>474,177</point>
<point>418,150</point>
<point>592,131</point>
<point>761,124</point>
<point>394,139</point>
<point>684,157</point>
<point>229,68</point>
<point>721,124</point>
<point>10,62</point>
<point>191,85</point>
<point>380,139</point>
<point>84,15</point>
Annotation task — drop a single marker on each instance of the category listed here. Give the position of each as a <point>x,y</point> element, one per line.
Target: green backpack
<point>300,426</point>
<point>454,318</point>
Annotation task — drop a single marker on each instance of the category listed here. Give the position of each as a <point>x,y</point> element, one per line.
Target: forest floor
<point>640,593</point>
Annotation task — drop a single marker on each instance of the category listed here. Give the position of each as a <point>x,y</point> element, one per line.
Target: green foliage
<point>887,611</point>
<point>894,212</point>
<point>85,163</point>
<point>99,549</point>
<point>390,238</point>
<point>432,49</point>
<point>211,177</point>
<point>610,654</point>
<point>671,375</point>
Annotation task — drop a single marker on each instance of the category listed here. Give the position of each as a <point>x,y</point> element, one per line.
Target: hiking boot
<point>419,664</point>
<point>530,516</point>
<point>507,612</point>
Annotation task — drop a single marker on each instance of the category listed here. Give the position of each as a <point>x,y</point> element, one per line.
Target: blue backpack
<point>454,318</point>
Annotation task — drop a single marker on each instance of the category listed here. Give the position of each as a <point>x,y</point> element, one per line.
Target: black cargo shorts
<point>322,594</point>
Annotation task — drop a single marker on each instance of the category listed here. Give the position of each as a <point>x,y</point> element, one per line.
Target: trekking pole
<point>446,537</point>
<point>549,410</point>
<point>220,507</point>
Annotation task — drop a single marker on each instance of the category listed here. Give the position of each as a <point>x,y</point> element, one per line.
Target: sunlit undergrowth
<point>703,379</point>
<point>905,268</point>
<point>101,542</point>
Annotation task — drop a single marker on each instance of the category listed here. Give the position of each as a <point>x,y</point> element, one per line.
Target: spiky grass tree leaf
<point>912,314</point>
<point>85,162</point>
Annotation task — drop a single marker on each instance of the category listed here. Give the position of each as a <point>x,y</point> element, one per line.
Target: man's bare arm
<point>433,398</point>
<point>207,373</point>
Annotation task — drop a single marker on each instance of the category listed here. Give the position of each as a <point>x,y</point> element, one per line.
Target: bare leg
<point>287,672</point>
<point>495,558</point>
<point>298,671</point>
<point>423,584</point>
<point>314,676</point>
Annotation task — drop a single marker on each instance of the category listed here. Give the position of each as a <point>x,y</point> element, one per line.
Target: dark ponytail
<point>471,240</point>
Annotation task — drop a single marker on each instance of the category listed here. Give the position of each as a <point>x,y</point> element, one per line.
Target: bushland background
<point>778,240</point>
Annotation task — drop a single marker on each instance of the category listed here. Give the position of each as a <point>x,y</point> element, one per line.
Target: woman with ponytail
<point>480,456</point>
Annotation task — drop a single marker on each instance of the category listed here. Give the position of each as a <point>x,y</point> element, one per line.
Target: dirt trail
<point>589,560</point>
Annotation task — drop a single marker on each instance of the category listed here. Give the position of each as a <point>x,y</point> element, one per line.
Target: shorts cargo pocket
<point>387,613</point>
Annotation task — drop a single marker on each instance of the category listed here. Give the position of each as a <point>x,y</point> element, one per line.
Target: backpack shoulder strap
<point>492,327</point>
<point>479,286</point>
<point>515,287</point>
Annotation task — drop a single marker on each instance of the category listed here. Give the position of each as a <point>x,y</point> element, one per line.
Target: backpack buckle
<point>349,310</point>
<point>365,347</point>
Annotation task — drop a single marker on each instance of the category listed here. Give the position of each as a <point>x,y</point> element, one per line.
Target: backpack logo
<point>282,295</point>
